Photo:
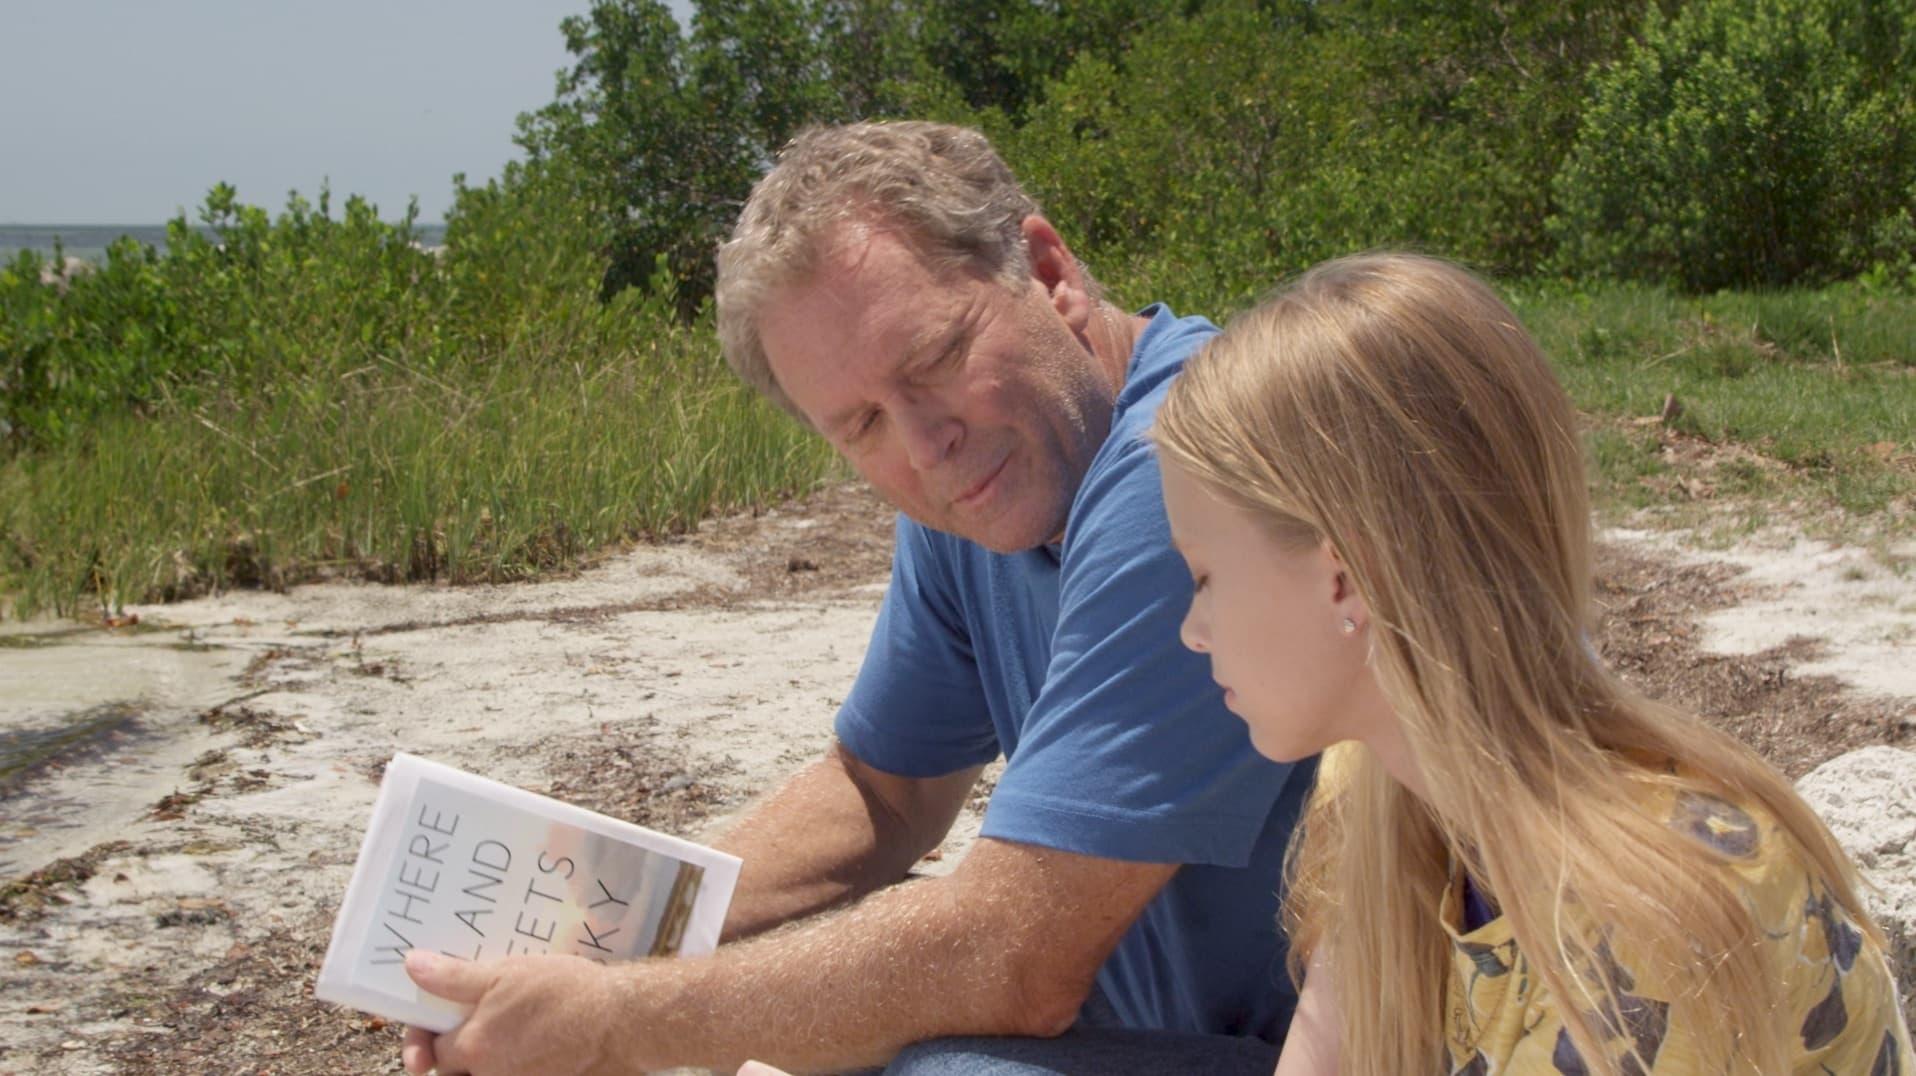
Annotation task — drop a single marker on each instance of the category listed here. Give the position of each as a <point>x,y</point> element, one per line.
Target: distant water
<point>90,241</point>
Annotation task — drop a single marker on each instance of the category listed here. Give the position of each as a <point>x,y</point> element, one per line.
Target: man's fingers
<point>448,1058</point>
<point>461,981</point>
<point>416,1053</point>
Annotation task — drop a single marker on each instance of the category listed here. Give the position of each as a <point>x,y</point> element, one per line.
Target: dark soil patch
<point>173,806</point>
<point>826,542</point>
<point>572,614</point>
<point>252,1012</point>
<point>24,754</point>
<point>630,773</point>
<point>207,772</point>
<point>1649,632</point>
<point>28,897</point>
<point>255,728</point>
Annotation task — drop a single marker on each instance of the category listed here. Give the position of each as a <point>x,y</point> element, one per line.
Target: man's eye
<point>950,357</point>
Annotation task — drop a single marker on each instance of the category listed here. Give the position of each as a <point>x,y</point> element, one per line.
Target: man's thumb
<point>448,977</point>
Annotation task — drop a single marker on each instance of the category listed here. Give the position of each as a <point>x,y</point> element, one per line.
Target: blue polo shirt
<point>1066,661</point>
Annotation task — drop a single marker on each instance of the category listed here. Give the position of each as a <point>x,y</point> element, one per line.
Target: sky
<point>127,111</point>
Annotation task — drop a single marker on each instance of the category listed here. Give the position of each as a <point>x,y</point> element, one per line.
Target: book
<point>472,868</point>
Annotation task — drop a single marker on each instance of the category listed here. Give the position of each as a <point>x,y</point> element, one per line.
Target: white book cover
<point>469,867</point>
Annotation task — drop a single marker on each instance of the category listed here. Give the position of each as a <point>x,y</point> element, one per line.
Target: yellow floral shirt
<point>1842,999</point>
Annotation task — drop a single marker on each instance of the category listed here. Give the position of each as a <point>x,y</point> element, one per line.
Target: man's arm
<point>1008,944</point>
<point>834,832</point>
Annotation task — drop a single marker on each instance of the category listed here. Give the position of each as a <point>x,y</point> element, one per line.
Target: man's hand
<point>545,1014</point>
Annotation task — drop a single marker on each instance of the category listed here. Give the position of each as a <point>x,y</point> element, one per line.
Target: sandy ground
<point>1857,605</point>
<point>170,878</point>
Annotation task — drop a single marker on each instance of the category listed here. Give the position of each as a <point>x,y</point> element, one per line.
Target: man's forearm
<point>820,840</point>
<point>850,989</point>
<point>1009,943</point>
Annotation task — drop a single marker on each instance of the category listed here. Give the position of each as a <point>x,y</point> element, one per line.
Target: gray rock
<point>1868,799</point>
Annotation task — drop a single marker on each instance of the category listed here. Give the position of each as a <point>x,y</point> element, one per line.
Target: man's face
<point>972,407</point>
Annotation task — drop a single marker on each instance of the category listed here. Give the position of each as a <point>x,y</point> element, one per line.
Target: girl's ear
<point>1350,604</point>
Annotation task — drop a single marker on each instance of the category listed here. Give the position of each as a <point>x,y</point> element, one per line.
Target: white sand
<point>1861,609</point>
<point>492,679</point>
<point>746,693</point>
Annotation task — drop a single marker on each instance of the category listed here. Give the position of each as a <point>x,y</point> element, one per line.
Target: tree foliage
<point>1216,142</point>
<point>666,131</point>
<point>1741,142</point>
<point>1233,138</point>
<point>228,302</point>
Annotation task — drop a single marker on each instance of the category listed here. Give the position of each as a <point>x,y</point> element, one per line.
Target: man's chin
<point>1004,531</point>
<point>1007,547</point>
<point>1004,536</point>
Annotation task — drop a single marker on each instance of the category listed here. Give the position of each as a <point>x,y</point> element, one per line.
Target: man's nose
<point>930,432</point>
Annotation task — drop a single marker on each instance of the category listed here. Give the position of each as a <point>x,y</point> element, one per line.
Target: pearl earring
<point>1349,625</point>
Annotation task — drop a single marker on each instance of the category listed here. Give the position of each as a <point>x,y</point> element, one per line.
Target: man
<point>893,287</point>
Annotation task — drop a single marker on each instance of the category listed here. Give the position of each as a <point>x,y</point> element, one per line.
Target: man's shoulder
<point>1163,346</point>
<point>1125,463</point>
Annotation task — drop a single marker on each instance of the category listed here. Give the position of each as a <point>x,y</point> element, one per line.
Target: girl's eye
<point>1198,581</point>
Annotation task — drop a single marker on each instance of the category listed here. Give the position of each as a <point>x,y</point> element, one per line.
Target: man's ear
<point>1055,270</point>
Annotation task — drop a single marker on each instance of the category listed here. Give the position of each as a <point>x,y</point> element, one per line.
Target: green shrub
<point>1240,141</point>
<point>214,312</point>
<point>1739,143</point>
<point>303,395</point>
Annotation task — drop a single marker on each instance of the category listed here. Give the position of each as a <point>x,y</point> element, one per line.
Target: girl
<point>1513,863</point>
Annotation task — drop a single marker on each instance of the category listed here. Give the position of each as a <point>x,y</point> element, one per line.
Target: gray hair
<point>944,188</point>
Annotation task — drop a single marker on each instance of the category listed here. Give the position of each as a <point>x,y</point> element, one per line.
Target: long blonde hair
<point>1393,404</point>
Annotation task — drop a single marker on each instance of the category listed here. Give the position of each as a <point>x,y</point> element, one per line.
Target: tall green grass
<point>311,396</point>
<point>396,474</point>
<point>314,396</point>
<point>1817,387</point>
<point>1821,383</point>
